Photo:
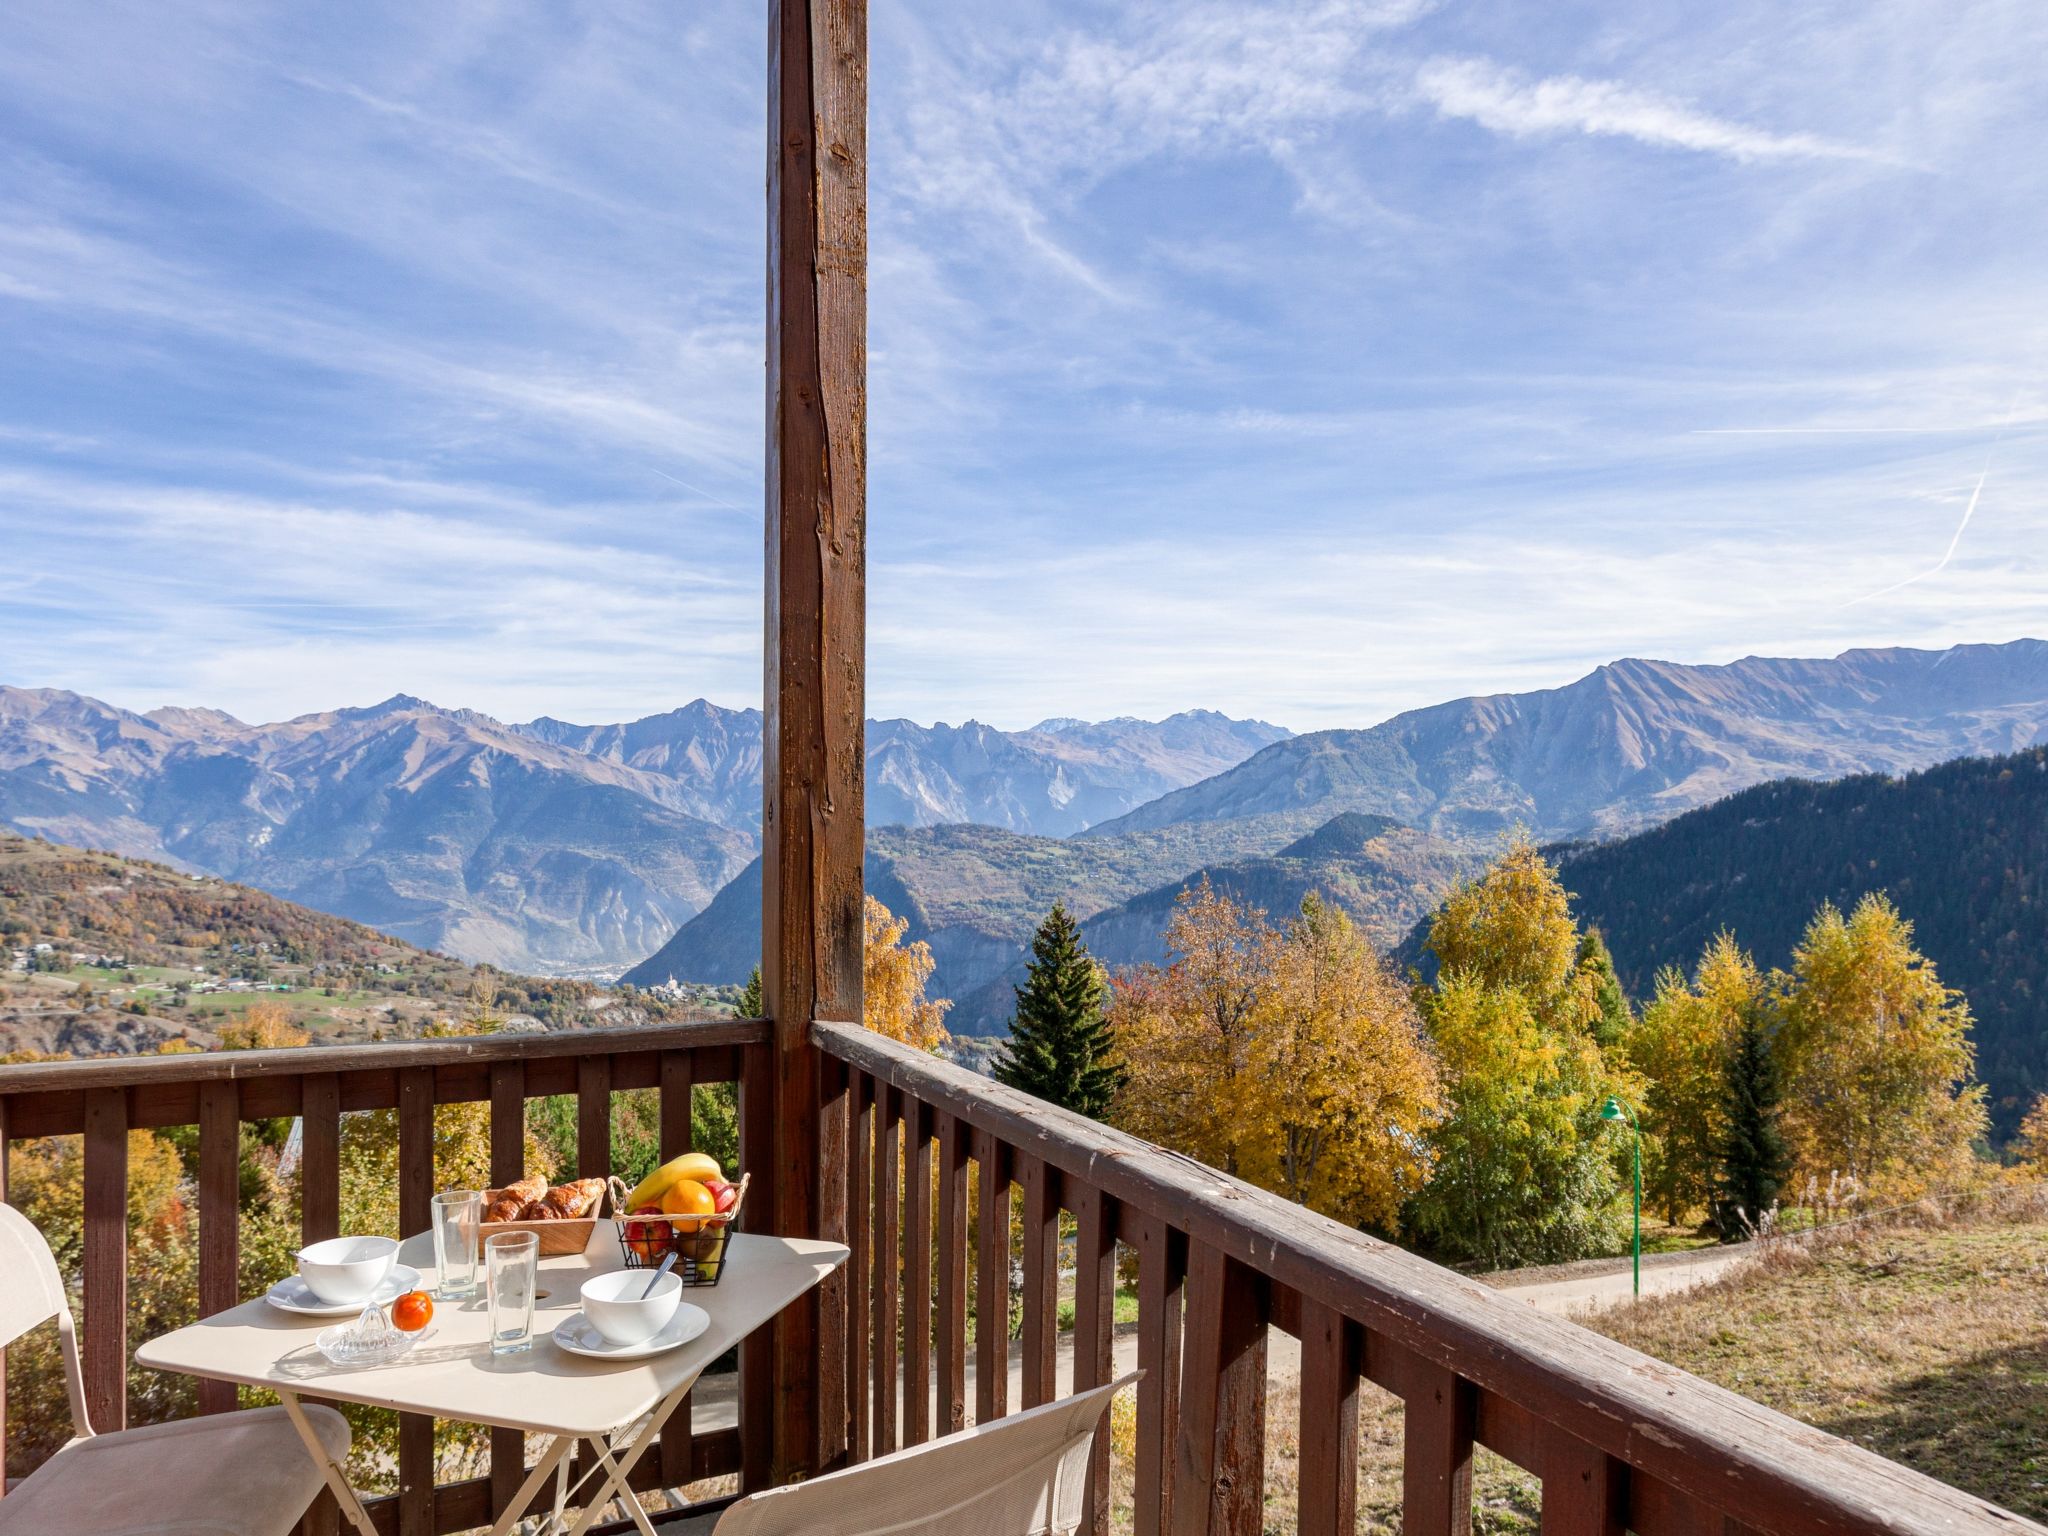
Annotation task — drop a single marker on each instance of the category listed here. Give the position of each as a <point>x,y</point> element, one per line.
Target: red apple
<point>724,1196</point>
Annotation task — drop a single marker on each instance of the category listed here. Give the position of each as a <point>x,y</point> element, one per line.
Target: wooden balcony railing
<point>103,1100</point>
<point>1619,1441</point>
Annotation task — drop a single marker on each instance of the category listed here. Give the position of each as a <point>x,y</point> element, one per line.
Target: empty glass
<point>458,1213</point>
<point>512,1260</point>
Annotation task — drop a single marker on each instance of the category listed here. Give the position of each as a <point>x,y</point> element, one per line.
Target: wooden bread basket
<point>559,1235</point>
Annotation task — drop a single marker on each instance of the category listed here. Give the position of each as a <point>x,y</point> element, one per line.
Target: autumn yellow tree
<point>1188,1031</point>
<point>1349,1083</point>
<point>2030,1145</point>
<point>1680,1048</point>
<point>1877,1057</point>
<point>1525,1169</point>
<point>893,978</point>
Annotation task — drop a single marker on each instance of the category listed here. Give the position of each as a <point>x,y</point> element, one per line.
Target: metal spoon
<point>654,1279</point>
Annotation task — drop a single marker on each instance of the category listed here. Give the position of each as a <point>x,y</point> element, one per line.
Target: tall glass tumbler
<point>458,1215</point>
<point>512,1261</point>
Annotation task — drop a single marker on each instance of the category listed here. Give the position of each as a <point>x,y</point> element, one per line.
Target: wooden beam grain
<point>814,701</point>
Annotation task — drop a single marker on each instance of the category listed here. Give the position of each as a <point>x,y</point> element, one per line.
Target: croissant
<point>504,1208</point>
<point>537,1210</point>
<point>526,1189</point>
<point>583,1195</point>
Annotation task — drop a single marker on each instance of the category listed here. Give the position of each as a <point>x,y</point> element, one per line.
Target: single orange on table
<point>412,1311</point>
<point>687,1197</point>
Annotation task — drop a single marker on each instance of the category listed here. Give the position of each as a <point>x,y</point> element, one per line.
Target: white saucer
<point>578,1335</point>
<point>292,1294</point>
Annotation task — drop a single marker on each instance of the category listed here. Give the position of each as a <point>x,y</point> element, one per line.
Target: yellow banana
<point>691,1165</point>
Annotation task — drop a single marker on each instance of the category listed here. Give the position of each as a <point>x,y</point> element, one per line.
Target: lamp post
<point>1614,1109</point>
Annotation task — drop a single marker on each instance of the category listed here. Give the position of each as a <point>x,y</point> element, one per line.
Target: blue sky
<point>1308,361</point>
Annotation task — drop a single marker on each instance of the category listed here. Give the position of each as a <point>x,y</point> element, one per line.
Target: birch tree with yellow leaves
<point>1295,1060</point>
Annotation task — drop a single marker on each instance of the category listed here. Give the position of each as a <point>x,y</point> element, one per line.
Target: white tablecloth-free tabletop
<point>452,1374</point>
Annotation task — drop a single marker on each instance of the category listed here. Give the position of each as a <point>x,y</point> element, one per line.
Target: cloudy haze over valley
<point>1304,362</point>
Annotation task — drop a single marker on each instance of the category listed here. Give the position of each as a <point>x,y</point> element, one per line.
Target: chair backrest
<point>31,1291</point>
<point>1018,1476</point>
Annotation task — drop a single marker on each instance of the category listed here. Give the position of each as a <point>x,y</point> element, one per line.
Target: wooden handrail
<point>372,1055</point>
<point>1758,1468</point>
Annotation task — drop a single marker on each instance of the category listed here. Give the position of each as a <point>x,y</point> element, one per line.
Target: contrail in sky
<point>1969,512</point>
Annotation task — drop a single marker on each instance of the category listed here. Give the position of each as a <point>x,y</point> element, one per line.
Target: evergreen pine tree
<point>1615,1013</point>
<point>750,996</point>
<point>1060,1038</point>
<point>1754,1159</point>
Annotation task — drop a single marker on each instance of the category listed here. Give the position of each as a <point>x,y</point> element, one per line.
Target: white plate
<point>292,1294</point>
<point>578,1335</point>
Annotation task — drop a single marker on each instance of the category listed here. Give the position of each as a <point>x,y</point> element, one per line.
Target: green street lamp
<point>1614,1109</point>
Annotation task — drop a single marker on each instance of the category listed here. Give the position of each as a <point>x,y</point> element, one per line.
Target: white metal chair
<point>224,1474</point>
<point>1018,1476</point>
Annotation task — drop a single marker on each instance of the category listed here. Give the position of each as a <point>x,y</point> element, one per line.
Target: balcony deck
<point>1619,1441</point>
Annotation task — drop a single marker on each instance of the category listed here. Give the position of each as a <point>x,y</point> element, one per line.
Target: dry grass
<point>1925,1340</point>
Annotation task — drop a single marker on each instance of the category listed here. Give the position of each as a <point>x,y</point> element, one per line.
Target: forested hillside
<point>1962,848</point>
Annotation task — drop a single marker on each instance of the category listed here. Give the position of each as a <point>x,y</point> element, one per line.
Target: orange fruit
<point>412,1311</point>
<point>686,1197</point>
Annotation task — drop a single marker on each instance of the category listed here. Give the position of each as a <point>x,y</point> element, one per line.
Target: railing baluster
<point>1162,1263</point>
<point>415,1192</point>
<point>593,1117</point>
<point>917,1275</point>
<point>992,1281</point>
<point>758,1154</point>
<point>952,1352</point>
<point>1585,1491</point>
<point>320,1216</point>
<point>1332,1362</point>
<point>1094,1321</point>
<point>860,1128</point>
<point>678,1084</point>
<point>220,1205</point>
<point>508,1165</point>
<point>106,1258</point>
<point>1438,1412</point>
<point>888,1255</point>
<point>1041,1283</point>
<point>1220,1442</point>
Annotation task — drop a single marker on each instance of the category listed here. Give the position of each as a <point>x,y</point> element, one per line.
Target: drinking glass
<point>458,1213</point>
<point>512,1260</point>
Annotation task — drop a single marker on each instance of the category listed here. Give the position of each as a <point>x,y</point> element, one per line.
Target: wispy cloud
<point>1506,101</point>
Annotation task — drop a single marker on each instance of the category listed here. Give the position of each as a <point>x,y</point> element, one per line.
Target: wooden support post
<point>106,1259</point>
<point>1219,1444</point>
<point>1585,1491</point>
<point>1332,1364</point>
<point>220,1202</point>
<point>1439,1414</point>
<point>1095,1220</point>
<point>1162,1269</point>
<point>815,642</point>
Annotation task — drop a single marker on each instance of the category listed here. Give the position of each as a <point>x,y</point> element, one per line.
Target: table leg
<point>337,1481</point>
<point>552,1458</point>
<point>617,1471</point>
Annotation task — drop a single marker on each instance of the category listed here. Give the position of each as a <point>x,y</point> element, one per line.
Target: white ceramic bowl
<point>616,1309</point>
<point>347,1269</point>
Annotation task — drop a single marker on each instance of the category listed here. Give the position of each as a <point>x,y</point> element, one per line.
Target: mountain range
<point>538,845</point>
<point>1385,819</point>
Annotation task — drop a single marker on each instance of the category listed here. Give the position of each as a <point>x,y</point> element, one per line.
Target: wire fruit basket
<point>698,1242</point>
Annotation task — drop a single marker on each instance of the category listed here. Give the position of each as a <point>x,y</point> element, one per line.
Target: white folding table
<point>618,1407</point>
